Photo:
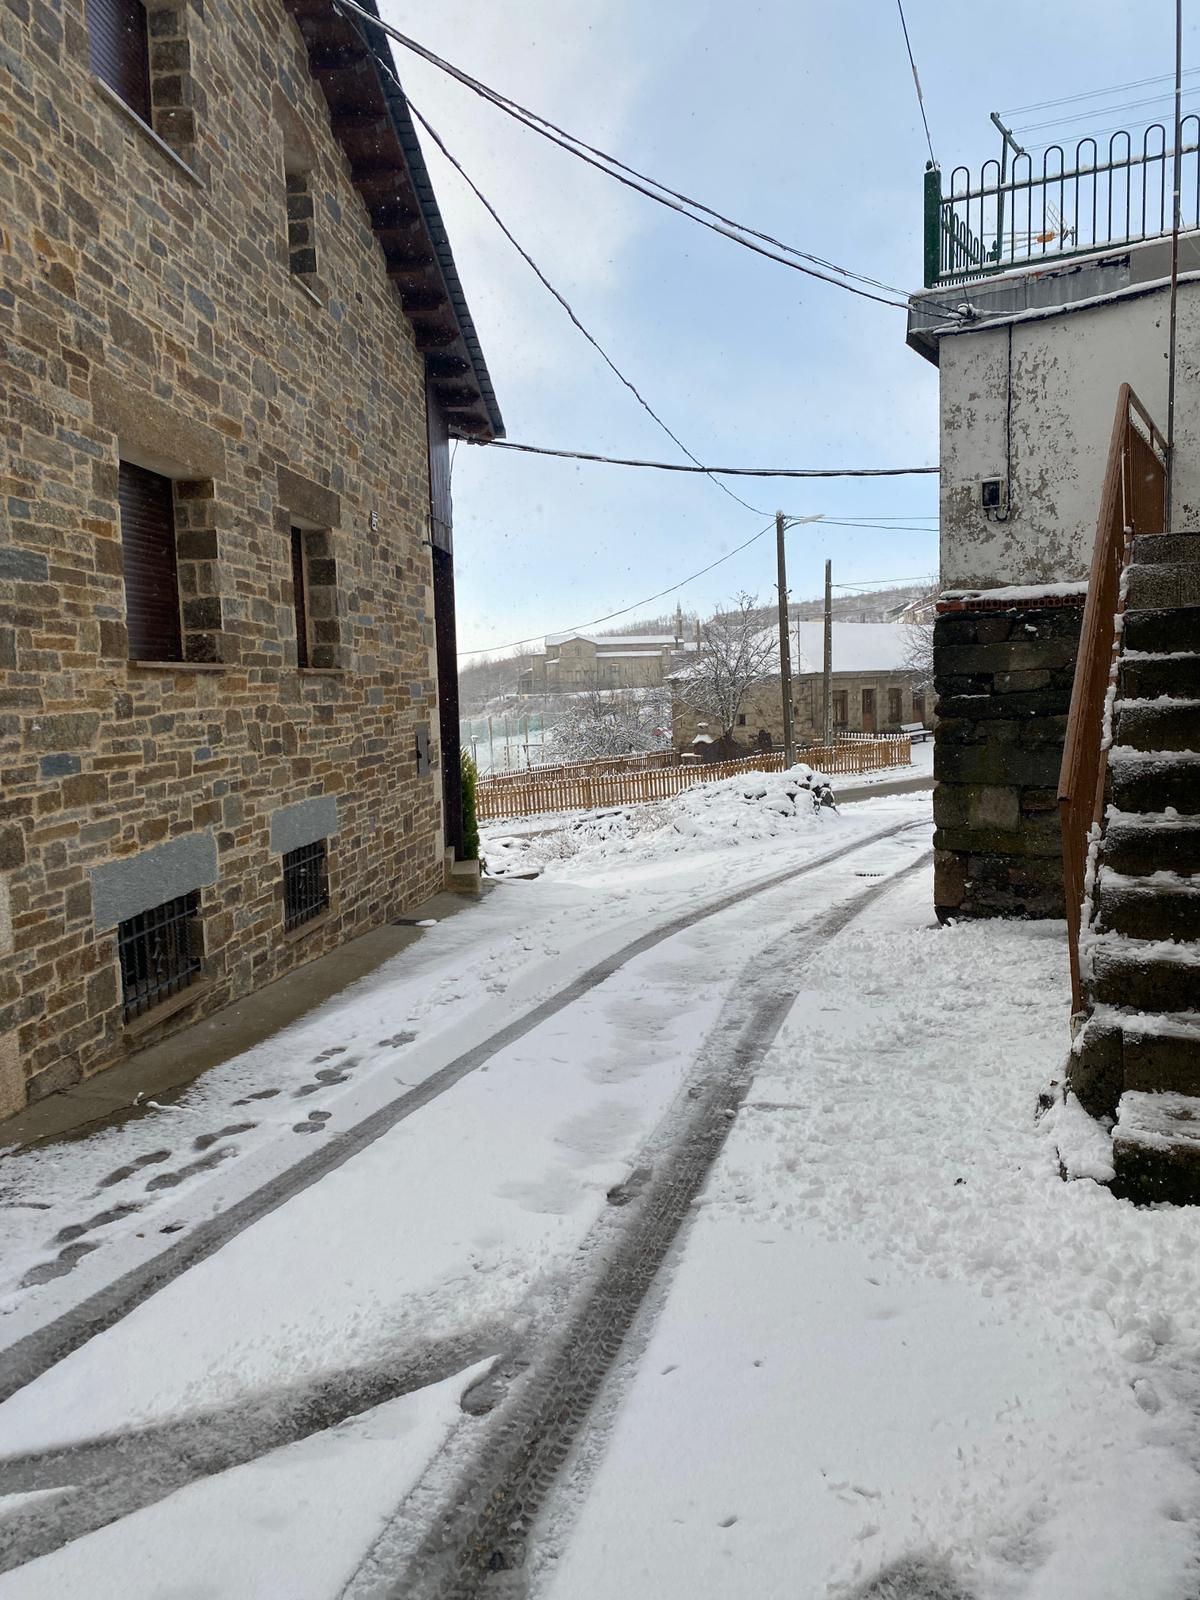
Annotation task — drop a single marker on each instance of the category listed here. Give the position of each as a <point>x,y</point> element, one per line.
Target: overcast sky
<point>795,116</point>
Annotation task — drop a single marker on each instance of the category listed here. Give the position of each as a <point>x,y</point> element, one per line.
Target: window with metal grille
<point>148,555</point>
<point>305,884</point>
<point>120,50</point>
<point>841,707</point>
<point>918,708</point>
<point>160,953</point>
<point>895,706</point>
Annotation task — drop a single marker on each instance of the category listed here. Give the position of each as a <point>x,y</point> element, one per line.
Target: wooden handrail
<point>1132,501</point>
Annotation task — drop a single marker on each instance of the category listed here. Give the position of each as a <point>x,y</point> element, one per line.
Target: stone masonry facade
<point>1003,679</point>
<point>150,312</point>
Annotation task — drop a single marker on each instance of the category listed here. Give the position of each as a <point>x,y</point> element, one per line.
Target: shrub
<point>470,778</point>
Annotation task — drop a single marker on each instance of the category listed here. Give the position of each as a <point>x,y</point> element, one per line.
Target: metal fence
<point>1067,201</point>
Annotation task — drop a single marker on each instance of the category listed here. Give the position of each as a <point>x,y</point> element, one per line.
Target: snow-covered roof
<point>857,647</point>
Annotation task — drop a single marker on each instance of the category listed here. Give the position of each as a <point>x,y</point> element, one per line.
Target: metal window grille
<point>305,884</point>
<point>160,953</point>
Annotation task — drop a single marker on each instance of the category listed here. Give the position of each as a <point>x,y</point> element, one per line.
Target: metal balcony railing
<point>1066,202</point>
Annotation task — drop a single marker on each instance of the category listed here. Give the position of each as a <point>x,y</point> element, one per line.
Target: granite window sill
<point>294,935</point>
<point>180,666</point>
<point>146,130</point>
<point>149,1020</point>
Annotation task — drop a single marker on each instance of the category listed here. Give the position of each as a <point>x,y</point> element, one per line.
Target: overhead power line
<point>695,210</point>
<point>917,81</point>
<point>609,616</point>
<point>725,472</point>
<point>1096,94</point>
<point>565,304</point>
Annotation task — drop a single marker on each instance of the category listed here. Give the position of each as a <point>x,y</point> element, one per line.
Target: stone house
<point>1028,384</point>
<point>875,690</point>
<point>575,661</point>
<point>1067,644</point>
<point>233,349</point>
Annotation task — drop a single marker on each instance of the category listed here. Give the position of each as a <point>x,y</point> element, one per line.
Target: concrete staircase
<point>1136,1058</point>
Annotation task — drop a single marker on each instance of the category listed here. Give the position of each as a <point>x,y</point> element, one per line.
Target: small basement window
<point>305,884</point>
<point>161,953</point>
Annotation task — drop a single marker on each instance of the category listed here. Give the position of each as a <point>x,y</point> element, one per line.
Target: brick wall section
<point>151,314</point>
<point>1003,681</point>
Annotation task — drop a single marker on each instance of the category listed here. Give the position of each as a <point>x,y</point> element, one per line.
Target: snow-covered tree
<point>736,652</point>
<point>611,722</point>
<point>918,642</point>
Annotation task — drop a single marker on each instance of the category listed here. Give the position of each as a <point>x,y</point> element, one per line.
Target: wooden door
<point>868,711</point>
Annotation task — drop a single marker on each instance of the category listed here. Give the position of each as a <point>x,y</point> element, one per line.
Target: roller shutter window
<point>120,50</point>
<point>148,551</point>
<point>300,597</point>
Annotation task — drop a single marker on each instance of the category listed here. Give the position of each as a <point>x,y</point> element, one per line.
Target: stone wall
<point>1003,681</point>
<point>148,311</point>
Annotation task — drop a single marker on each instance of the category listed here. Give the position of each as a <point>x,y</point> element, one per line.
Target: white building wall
<point>1066,369</point>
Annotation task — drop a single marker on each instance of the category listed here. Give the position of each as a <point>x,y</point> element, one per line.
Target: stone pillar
<point>1003,677</point>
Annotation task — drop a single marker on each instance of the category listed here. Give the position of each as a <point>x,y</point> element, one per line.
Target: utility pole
<point>828,664</point>
<point>785,646</point>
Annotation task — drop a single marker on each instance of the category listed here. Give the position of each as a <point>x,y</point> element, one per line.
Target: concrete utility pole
<point>828,718</point>
<point>785,646</point>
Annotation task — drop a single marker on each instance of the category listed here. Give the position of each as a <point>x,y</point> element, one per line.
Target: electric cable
<point>726,472</point>
<point>613,167</point>
<point>1095,94</point>
<point>565,304</point>
<point>625,610</point>
<point>917,81</point>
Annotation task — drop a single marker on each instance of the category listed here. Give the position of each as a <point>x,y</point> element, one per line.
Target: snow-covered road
<point>887,1332</point>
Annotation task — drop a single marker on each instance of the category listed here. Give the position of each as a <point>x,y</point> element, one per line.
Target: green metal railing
<point>1069,203</point>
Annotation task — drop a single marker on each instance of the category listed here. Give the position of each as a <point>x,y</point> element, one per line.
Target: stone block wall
<point>1003,682</point>
<point>148,311</point>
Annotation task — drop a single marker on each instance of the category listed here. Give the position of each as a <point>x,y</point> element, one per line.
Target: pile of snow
<point>746,809</point>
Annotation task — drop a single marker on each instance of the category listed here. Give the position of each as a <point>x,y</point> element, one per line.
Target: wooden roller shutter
<point>148,549</point>
<point>300,593</point>
<point>120,50</point>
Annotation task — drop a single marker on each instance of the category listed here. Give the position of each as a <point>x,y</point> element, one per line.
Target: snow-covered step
<point>1156,1148</point>
<point>1163,584</point>
<point>1160,1051</point>
<point>1142,842</point>
<point>1146,676</point>
<point>1161,905</point>
<point>1161,630</point>
<point>1154,780</point>
<point>1148,974</point>
<point>1163,723</point>
<point>1150,549</point>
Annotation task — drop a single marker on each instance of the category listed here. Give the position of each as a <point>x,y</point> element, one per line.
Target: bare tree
<point>918,641</point>
<point>599,722</point>
<point>736,652</point>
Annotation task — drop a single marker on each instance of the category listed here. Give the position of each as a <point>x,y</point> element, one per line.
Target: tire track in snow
<point>29,1357</point>
<point>480,1532</point>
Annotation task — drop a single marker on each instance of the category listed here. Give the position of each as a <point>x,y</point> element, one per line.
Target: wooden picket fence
<point>592,791</point>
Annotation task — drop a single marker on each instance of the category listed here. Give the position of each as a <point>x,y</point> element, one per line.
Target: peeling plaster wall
<point>1066,370</point>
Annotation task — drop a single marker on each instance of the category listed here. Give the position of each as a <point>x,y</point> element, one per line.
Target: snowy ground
<point>890,1331</point>
<point>894,1338</point>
